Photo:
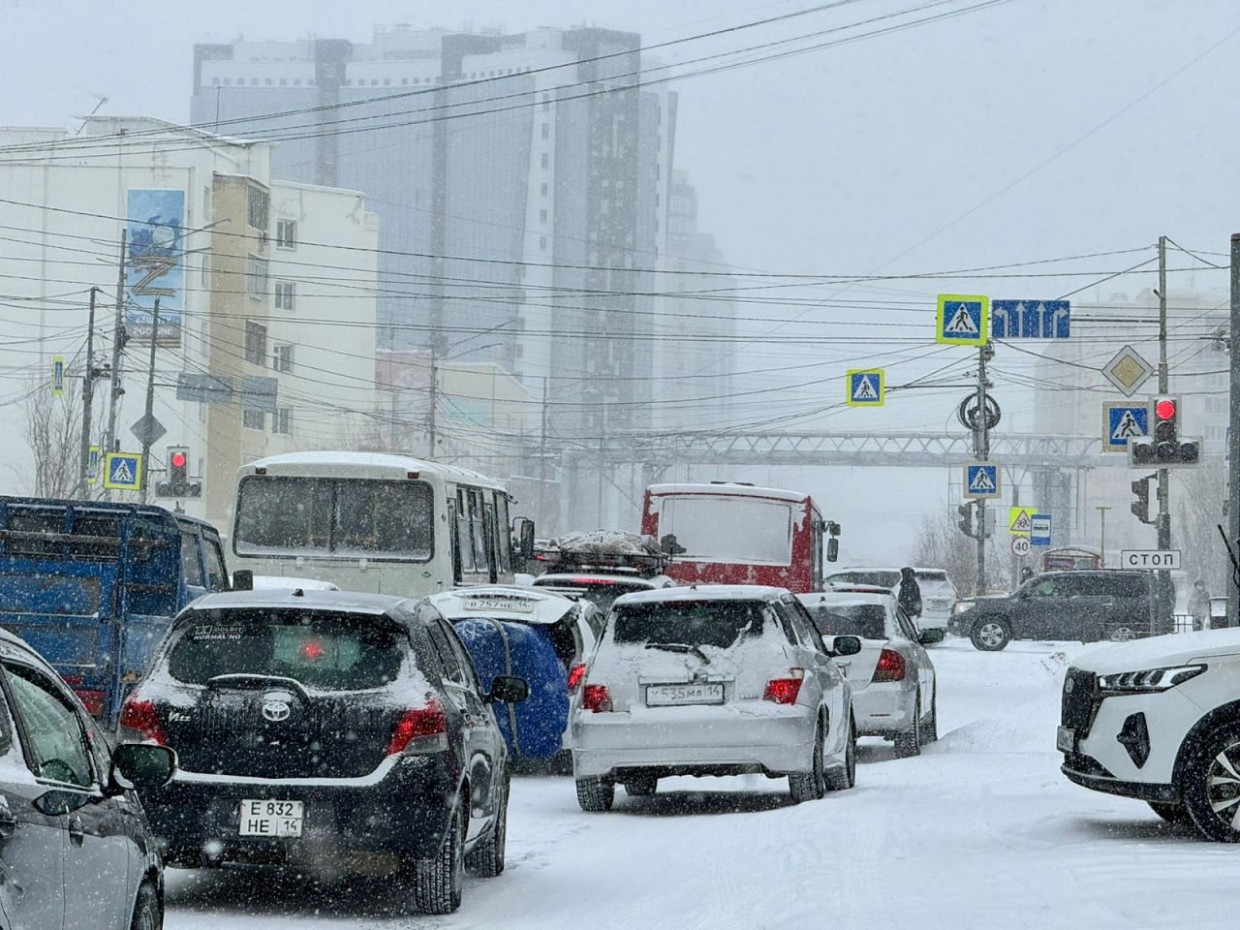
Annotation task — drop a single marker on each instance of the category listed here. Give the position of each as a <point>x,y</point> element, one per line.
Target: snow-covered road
<point>980,831</point>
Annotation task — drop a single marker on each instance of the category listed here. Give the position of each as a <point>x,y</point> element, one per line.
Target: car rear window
<point>869,621</point>
<point>689,623</point>
<point>320,650</point>
<point>882,579</point>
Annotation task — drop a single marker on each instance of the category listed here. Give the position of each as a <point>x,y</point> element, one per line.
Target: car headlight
<point>961,607</point>
<point>1149,681</point>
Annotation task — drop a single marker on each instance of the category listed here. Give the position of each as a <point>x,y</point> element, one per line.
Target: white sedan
<point>892,678</point>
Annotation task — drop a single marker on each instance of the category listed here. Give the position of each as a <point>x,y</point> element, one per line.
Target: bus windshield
<point>728,529</point>
<point>347,517</point>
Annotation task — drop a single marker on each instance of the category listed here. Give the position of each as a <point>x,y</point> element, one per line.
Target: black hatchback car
<point>75,850</point>
<point>1109,604</point>
<point>328,729</point>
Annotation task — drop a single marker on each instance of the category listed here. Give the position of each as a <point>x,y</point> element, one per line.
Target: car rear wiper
<point>681,647</point>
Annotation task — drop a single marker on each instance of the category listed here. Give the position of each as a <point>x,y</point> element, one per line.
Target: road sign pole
<point>150,404</point>
<point>1166,601</point>
<point>981,438</point>
<point>1233,439</point>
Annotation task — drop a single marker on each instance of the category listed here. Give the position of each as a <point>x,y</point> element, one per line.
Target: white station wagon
<point>713,680</point>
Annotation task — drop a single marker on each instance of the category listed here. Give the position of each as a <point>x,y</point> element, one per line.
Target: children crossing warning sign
<point>1020,520</point>
<point>963,320</point>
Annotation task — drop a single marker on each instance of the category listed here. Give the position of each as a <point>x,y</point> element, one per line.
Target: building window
<point>255,342</point>
<point>545,160</point>
<point>253,419</point>
<point>542,243</point>
<point>546,130</point>
<point>282,421</point>
<point>542,188</point>
<point>282,358</point>
<point>228,82</point>
<point>256,277</point>
<point>256,209</point>
<point>542,216</point>
<point>284,295</point>
<point>286,234</point>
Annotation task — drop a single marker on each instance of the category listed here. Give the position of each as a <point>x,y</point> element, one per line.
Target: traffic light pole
<point>150,406</point>
<point>1233,439</point>
<point>1167,599</point>
<point>981,448</point>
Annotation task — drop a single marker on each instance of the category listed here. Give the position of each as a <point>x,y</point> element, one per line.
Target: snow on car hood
<point>1158,651</point>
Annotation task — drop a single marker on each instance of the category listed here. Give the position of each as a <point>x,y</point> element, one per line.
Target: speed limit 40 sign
<point>1021,545</point>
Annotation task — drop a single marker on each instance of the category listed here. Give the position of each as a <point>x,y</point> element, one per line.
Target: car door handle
<point>77,832</point>
<point>8,823</point>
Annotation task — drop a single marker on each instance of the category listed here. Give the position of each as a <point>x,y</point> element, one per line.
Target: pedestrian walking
<point>1199,605</point>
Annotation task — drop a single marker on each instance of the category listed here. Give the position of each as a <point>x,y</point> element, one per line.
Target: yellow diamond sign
<point>1127,370</point>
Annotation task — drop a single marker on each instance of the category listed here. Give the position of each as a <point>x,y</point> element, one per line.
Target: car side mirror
<point>833,549</point>
<point>931,635</point>
<point>141,765</point>
<point>508,689</point>
<point>845,645</point>
<point>523,533</point>
<point>243,580</point>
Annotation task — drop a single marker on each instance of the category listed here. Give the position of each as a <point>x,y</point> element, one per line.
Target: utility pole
<point>981,448</point>
<point>88,399</point>
<point>542,459</point>
<point>1233,441</point>
<point>1102,543</point>
<point>118,343</point>
<point>150,406</point>
<point>434,399</point>
<point>1166,599</point>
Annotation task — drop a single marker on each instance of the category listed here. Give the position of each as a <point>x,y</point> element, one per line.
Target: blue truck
<point>94,586</point>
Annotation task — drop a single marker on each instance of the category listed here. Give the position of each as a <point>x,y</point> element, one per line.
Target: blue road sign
<point>865,388</point>
<point>1030,319</point>
<point>1040,530</point>
<point>981,480</point>
<point>1123,422</point>
<point>122,471</point>
<point>962,320</point>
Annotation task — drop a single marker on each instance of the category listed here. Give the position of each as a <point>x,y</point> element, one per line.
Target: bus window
<point>464,543</point>
<point>477,521</point>
<point>502,538</point>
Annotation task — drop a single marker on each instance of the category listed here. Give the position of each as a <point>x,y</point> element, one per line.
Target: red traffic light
<point>1164,408</point>
<point>179,459</point>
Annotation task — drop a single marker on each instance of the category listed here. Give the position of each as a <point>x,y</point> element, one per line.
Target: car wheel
<point>908,743</point>
<point>1170,811</point>
<point>1211,784</point>
<point>595,794</point>
<point>486,859</point>
<point>845,777</point>
<point>930,729</point>
<point>437,882</point>
<point>641,787</point>
<point>990,634</point>
<point>148,914</point>
<point>811,785</point>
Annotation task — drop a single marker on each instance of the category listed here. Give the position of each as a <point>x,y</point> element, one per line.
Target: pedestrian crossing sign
<point>122,471</point>
<point>866,388</point>
<point>981,480</point>
<point>1020,520</point>
<point>1122,421</point>
<point>963,320</point>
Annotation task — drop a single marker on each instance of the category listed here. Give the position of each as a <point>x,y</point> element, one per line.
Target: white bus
<point>374,522</point>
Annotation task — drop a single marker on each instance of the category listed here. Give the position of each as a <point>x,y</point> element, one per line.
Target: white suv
<point>713,680</point>
<point>1159,720</point>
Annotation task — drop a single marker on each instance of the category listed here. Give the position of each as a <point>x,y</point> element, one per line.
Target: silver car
<point>892,677</point>
<point>713,680</point>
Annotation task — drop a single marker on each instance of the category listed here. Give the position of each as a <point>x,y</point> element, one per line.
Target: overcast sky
<point>1026,130</point>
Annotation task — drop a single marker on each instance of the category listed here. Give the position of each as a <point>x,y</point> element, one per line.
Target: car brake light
<point>575,674</point>
<point>890,666</point>
<point>785,690</point>
<point>141,718</point>
<point>422,729</point>
<point>596,698</point>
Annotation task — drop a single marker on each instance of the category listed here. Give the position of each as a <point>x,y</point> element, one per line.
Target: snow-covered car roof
<point>358,602</point>
<point>523,604</point>
<point>706,592</point>
<point>847,598</point>
<point>266,582</point>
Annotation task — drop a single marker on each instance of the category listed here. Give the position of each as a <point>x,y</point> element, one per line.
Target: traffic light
<point>1164,447</point>
<point>966,518</point>
<point>178,483</point>
<point>1141,506</point>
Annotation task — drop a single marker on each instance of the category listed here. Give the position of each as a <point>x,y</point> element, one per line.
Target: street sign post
<point>1123,421</point>
<point>1150,558</point>
<point>982,481</point>
<point>1127,370</point>
<point>866,388</point>
<point>1030,319</point>
<point>962,320</point>
<point>1040,529</point>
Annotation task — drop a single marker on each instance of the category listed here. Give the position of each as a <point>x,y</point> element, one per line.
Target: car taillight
<point>575,674</point>
<point>142,721</point>
<point>423,729</point>
<point>890,666</point>
<point>785,690</point>
<point>597,698</point>
<point>92,700</point>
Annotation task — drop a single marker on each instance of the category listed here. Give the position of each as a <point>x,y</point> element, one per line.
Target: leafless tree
<point>941,544</point>
<point>54,433</point>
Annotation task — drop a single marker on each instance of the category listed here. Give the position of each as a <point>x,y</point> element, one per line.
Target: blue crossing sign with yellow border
<point>866,388</point>
<point>963,320</point>
<point>122,471</point>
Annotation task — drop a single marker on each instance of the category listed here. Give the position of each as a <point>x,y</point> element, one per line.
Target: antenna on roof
<point>102,101</point>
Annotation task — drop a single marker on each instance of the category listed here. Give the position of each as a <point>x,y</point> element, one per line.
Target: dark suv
<point>326,728</point>
<point>1080,605</point>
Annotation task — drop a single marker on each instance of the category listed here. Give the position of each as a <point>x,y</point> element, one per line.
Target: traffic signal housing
<point>1164,446</point>
<point>1141,506</point>
<point>178,483</point>
<point>966,518</point>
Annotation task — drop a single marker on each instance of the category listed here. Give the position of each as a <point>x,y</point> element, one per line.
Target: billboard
<point>155,264</point>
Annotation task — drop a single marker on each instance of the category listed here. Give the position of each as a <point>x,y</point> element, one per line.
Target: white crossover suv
<point>1159,720</point>
<point>713,680</point>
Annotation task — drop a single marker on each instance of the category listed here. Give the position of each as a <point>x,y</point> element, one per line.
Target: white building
<point>199,217</point>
